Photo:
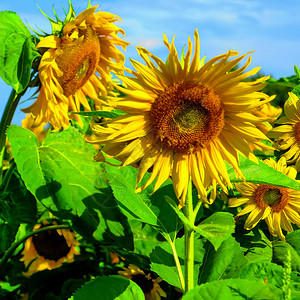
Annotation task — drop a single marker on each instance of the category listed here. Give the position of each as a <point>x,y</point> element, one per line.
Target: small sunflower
<point>185,119</point>
<point>278,206</point>
<point>149,286</point>
<point>76,64</point>
<point>288,134</point>
<point>49,249</point>
<point>271,113</point>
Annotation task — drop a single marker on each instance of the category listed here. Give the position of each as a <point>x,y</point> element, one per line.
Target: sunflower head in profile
<point>276,205</point>
<point>184,119</point>
<point>148,285</point>
<point>49,249</point>
<point>287,135</point>
<point>76,63</point>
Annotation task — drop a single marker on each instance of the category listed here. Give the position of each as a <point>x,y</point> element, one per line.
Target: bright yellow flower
<point>49,249</point>
<point>271,113</point>
<point>288,134</point>
<point>70,67</point>
<point>278,206</point>
<point>39,131</point>
<point>185,119</point>
<point>149,286</point>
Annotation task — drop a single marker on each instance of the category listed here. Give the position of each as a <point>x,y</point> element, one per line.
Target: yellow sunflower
<point>271,113</point>
<point>185,119</point>
<point>148,285</point>
<point>278,206</point>
<point>288,134</point>
<point>40,131</point>
<point>75,65</point>
<point>49,249</point>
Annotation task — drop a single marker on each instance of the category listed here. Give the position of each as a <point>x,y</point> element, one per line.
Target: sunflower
<point>49,249</point>
<point>271,113</point>
<point>40,131</point>
<point>288,134</point>
<point>278,206</point>
<point>149,286</point>
<point>70,65</point>
<point>185,119</point>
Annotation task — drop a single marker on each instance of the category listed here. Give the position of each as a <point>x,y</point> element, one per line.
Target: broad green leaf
<point>162,260</point>
<point>293,238</point>
<point>7,236</point>
<point>256,246</point>
<point>16,51</point>
<point>281,253</point>
<point>261,173</point>
<point>109,287</point>
<point>150,209</point>
<point>103,114</point>
<point>61,175</point>
<point>217,228</point>
<point>234,289</point>
<point>215,263</point>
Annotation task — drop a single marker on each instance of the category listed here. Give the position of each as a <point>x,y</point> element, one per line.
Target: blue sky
<point>270,28</point>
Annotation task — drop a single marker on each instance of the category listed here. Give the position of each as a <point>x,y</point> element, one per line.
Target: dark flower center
<point>187,116</point>
<point>50,244</point>
<point>78,61</point>
<point>275,197</point>
<point>143,282</point>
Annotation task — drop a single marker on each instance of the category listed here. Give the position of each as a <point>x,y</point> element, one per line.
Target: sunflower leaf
<point>260,173</point>
<point>109,287</point>
<point>217,228</point>
<point>60,173</point>
<point>234,289</point>
<point>103,114</point>
<point>16,51</point>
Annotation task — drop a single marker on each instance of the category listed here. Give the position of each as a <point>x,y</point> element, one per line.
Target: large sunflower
<point>49,249</point>
<point>288,134</point>
<point>185,119</point>
<point>148,285</point>
<point>76,64</point>
<point>278,206</point>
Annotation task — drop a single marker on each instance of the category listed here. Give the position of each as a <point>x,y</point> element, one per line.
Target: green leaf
<point>233,289</point>
<point>280,255</point>
<point>147,208</point>
<point>7,236</point>
<point>109,287</point>
<point>261,173</point>
<point>293,238</point>
<point>215,263</point>
<point>62,176</point>
<point>16,51</point>
<point>217,228</point>
<point>162,260</point>
<point>103,114</point>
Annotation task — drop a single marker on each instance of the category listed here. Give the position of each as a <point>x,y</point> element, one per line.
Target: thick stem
<point>15,245</point>
<point>6,119</point>
<point>189,241</point>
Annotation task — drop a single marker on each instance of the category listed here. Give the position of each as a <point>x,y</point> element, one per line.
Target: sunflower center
<point>143,282</point>
<point>50,245</point>
<point>187,116</point>
<point>297,131</point>
<point>273,196</point>
<point>78,61</point>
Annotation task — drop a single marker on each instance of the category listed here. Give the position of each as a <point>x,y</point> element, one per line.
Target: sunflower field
<point>173,179</point>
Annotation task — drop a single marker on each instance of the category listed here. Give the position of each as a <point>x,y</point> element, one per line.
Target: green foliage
<point>62,176</point>
<point>16,51</point>
<point>234,289</point>
<point>112,287</point>
<point>103,114</point>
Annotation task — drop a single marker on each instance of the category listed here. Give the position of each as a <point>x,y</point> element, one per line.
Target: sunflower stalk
<point>15,245</point>
<point>189,241</point>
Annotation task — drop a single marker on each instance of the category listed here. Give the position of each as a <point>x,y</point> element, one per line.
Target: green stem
<point>6,119</point>
<point>189,241</point>
<point>15,245</point>
<point>175,255</point>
